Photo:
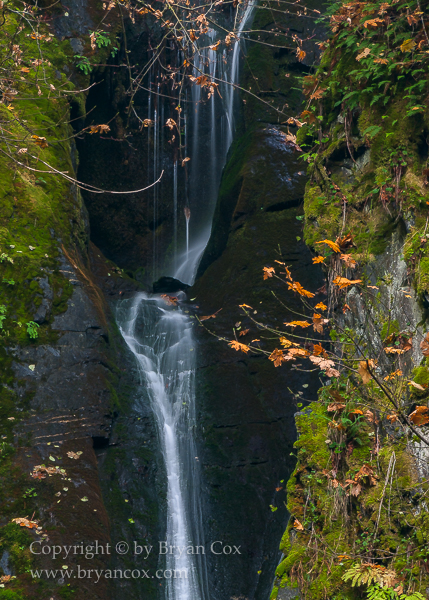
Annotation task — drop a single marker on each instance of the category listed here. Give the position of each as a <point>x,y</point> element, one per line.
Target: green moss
<point>391,326</point>
<point>421,375</point>
<point>10,595</point>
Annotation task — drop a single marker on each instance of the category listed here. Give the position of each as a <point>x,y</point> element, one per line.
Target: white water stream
<point>160,337</point>
<point>206,167</point>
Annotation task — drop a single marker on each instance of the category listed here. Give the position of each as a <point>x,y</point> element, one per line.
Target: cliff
<point>358,526</point>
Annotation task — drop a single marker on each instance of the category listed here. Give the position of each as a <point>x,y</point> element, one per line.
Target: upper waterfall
<point>208,159</point>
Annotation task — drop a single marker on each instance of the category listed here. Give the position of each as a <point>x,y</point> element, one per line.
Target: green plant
<point>83,64</point>
<point>3,310</point>
<point>30,493</point>
<point>377,592</point>
<point>32,329</point>
<point>8,281</point>
<point>4,256</point>
<point>5,450</point>
<point>101,39</point>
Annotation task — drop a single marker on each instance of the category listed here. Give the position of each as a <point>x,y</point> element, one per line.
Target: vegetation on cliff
<point>357,498</point>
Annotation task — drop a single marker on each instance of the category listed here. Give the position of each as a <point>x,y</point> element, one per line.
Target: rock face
<point>246,406</point>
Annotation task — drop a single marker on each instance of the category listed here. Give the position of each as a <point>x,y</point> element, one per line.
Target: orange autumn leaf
<point>237,346</point>
<point>309,116</point>
<point>213,316</point>
<point>298,352</point>
<point>322,362</point>
<point>301,54</point>
<point>298,324</point>
<point>349,261</point>
<point>321,306</point>
<point>420,416</point>
<point>373,23</point>
<point>343,282</point>
<point>346,307</point>
<point>391,350</point>
<point>397,373</point>
<point>298,525</point>
<point>317,350</point>
<point>318,323</point>
<point>424,345</point>
<point>99,129</point>
<point>346,242</point>
<point>277,357</point>
<point>25,523</point>
<point>244,332</point>
<point>245,306</point>
<point>392,418</point>
<point>363,369</point>
<point>285,342</point>
<point>268,272</point>
<point>318,259</point>
<point>297,287</point>
<point>40,141</point>
<point>288,274</point>
<point>170,300</point>
<point>317,94</point>
<point>371,417</point>
<point>333,245</point>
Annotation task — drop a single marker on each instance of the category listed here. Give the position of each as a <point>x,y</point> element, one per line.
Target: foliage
<point>32,329</point>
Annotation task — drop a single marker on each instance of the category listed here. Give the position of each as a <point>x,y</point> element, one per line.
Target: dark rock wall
<point>245,405</point>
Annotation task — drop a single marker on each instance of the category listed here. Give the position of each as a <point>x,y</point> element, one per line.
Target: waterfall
<point>155,190</point>
<point>234,74</point>
<point>208,158</point>
<point>175,212</point>
<point>187,217</point>
<point>160,337</point>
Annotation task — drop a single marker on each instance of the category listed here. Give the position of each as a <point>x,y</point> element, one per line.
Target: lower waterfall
<point>160,337</point>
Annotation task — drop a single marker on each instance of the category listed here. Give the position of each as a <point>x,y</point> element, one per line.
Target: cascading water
<point>208,159</point>
<point>160,337</point>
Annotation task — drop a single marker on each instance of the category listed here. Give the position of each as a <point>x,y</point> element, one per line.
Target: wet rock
<point>44,310</point>
<point>67,380</point>
<point>169,285</point>
<point>4,563</point>
<point>287,593</point>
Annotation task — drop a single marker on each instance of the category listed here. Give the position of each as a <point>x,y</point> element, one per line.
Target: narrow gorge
<point>214,300</point>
